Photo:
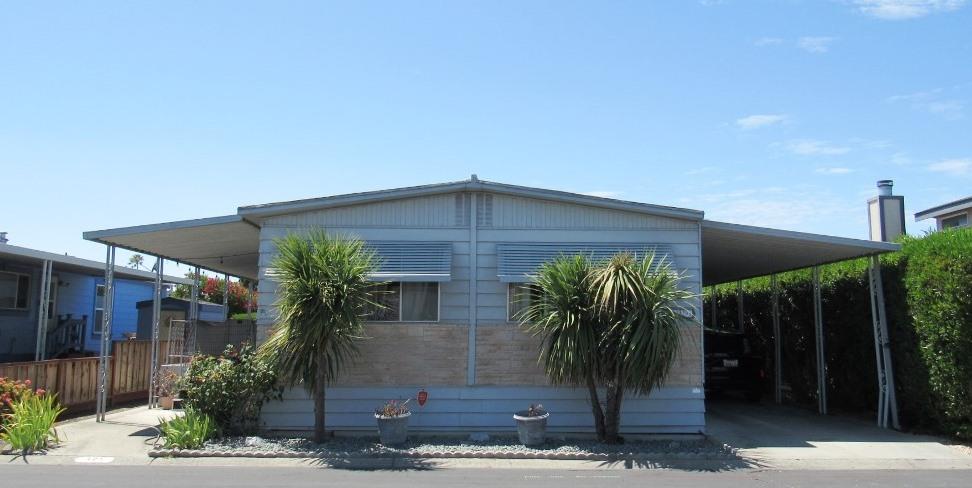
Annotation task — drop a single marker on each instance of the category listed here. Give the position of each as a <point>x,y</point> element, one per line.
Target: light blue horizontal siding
<point>667,410</point>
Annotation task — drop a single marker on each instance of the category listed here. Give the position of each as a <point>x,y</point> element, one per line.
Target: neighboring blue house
<point>75,303</point>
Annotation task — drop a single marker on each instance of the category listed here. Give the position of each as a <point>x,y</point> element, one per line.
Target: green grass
<point>30,425</point>
<point>189,431</point>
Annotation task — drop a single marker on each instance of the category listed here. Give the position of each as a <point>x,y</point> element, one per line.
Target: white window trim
<point>30,293</point>
<point>438,306</point>
<point>96,328</point>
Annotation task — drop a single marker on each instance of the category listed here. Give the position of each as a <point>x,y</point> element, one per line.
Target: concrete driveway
<point>124,437</point>
<point>791,438</point>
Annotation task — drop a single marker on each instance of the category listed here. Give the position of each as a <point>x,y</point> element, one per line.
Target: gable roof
<point>258,212</point>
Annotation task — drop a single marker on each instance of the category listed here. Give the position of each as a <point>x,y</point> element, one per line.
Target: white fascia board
<point>876,246</point>
<point>97,235</point>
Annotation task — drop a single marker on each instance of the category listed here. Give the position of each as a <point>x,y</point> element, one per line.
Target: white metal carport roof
<point>227,244</point>
<point>732,252</point>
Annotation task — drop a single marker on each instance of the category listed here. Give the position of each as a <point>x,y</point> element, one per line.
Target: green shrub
<point>30,424</point>
<point>188,431</point>
<point>939,284</point>
<point>230,388</point>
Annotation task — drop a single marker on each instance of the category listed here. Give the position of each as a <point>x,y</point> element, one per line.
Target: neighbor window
<point>14,290</point>
<point>519,297</point>
<point>956,221</point>
<point>99,311</point>
<point>405,302</point>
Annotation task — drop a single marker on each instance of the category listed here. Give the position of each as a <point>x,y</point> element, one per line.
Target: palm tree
<point>323,293</point>
<point>613,326</point>
<point>136,261</point>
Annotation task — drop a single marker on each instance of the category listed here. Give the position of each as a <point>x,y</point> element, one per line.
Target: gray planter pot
<point>393,430</point>
<point>532,430</point>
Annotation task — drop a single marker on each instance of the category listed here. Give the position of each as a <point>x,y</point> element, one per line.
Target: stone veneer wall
<point>506,356</point>
<point>409,354</point>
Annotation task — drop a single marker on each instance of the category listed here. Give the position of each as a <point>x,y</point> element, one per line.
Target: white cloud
<point>784,208</point>
<point>815,44</point>
<point>809,147</point>
<point>768,41</point>
<point>955,167</point>
<point>905,9</point>
<point>759,120</point>
<point>900,159</point>
<point>932,101</point>
<point>834,171</point>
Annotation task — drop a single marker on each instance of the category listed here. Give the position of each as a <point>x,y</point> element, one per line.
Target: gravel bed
<point>435,447</point>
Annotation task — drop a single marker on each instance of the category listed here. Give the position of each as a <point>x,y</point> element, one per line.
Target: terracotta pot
<point>166,402</point>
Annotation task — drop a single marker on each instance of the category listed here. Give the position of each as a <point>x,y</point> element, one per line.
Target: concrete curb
<point>729,455</point>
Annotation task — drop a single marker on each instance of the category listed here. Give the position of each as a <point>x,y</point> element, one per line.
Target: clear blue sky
<point>768,113</point>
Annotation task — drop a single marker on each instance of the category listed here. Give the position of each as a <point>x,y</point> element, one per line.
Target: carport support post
<point>821,357</point>
<point>887,403</point>
<point>226,296</point>
<point>190,347</point>
<point>777,342</point>
<point>740,304</point>
<point>714,306</point>
<point>101,398</point>
<point>40,349</point>
<point>156,318</point>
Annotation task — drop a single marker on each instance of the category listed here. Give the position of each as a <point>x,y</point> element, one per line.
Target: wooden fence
<point>76,380</point>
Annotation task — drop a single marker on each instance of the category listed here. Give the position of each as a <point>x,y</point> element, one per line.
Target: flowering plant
<point>11,391</point>
<point>392,408</point>
<point>165,382</point>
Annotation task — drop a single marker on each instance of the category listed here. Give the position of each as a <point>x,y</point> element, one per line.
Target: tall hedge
<point>928,296</point>
<point>939,284</point>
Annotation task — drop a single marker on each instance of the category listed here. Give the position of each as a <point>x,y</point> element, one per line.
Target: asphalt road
<point>20,475</point>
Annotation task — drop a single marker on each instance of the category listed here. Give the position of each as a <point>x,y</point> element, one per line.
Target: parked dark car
<point>732,364</point>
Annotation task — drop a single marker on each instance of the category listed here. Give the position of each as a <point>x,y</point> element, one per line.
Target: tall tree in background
<point>136,261</point>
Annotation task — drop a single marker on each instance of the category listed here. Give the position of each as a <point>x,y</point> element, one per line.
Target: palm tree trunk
<point>319,384</point>
<point>596,408</point>
<point>612,421</point>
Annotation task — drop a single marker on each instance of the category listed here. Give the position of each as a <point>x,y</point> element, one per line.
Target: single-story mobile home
<point>70,321</point>
<point>456,255</point>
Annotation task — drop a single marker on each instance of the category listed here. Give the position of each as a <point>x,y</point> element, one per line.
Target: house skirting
<point>668,410</point>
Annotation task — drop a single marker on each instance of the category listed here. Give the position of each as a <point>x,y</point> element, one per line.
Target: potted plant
<point>392,420</point>
<point>165,383</point>
<point>531,425</point>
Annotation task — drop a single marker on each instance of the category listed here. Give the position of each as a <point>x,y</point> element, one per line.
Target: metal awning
<point>516,263</point>
<point>412,261</point>
<point>227,244</point>
<point>732,252</point>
